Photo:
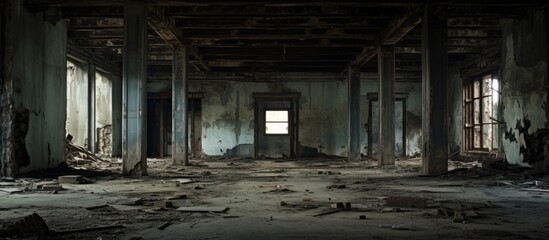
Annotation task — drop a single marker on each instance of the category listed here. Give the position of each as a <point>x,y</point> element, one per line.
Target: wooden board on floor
<point>204,209</point>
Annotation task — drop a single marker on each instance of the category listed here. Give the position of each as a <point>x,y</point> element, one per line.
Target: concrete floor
<point>254,190</point>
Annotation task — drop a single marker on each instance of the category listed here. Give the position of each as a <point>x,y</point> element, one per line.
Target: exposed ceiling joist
<point>167,31</point>
<point>397,29</point>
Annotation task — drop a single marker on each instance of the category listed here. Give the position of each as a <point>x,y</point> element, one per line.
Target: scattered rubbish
<point>459,215</point>
<point>204,209</point>
<point>329,172</point>
<point>280,190</point>
<point>182,180</point>
<point>396,226</point>
<point>75,152</point>
<point>164,225</point>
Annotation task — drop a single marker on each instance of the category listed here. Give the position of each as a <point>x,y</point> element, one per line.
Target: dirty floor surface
<point>270,199</point>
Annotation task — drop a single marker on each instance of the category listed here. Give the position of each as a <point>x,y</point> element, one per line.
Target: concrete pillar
<point>435,84</point>
<point>354,113</point>
<point>134,123</point>
<point>91,107</point>
<point>116,116</point>
<point>179,106</point>
<point>386,99</point>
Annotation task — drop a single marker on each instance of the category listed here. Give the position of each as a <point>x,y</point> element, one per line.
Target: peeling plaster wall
<point>41,47</point>
<point>77,102</point>
<point>455,110</point>
<point>228,115</point>
<point>525,83</point>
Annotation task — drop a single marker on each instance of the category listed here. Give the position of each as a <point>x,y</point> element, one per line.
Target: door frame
<point>398,97</point>
<point>293,98</point>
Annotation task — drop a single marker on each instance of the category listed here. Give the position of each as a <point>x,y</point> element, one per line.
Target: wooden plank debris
<point>535,190</point>
<point>204,209</point>
<point>164,225</point>
<point>90,229</point>
<point>327,212</point>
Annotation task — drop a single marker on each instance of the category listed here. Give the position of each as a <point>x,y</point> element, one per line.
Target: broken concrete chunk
<point>11,190</point>
<point>73,179</point>
<point>164,204</point>
<point>129,201</point>
<point>182,180</point>
<point>30,224</point>
<point>52,187</point>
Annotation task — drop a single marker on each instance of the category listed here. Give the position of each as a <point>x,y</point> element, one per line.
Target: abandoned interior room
<point>254,119</point>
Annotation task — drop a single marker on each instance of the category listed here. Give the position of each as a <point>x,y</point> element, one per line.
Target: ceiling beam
<point>167,31</point>
<point>389,3</point>
<point>397,29</point>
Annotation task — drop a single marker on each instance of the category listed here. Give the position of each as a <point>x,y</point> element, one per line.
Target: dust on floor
<point>291,199</point>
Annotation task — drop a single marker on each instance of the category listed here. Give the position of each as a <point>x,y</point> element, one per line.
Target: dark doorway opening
<point>400,125</point>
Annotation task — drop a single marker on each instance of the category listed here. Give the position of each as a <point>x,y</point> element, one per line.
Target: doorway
<point>159,124</point>
<point>276,125</point>
<point>400,126</point>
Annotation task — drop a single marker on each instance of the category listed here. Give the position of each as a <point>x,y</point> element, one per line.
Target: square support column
<point>386,69</point>
<point>134,123</point>
<point>179,106</point>
<point>116,116</point>
<point>435,88</point>
<point>91,107</point>
<point>354,113</point>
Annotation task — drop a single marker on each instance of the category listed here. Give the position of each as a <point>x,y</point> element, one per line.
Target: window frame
<point>469,118</point>
<point>287,121</point>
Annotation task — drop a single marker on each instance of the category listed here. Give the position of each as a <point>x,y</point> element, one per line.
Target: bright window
<point>481,105</point>
<point>276,122</point>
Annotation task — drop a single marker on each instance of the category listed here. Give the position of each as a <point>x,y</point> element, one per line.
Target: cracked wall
<point>525,83</point>
<point>228,115</point>
<point>33,43</point>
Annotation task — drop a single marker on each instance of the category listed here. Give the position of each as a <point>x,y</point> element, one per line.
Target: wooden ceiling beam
<point>167,31</point>
<point>395,31</point>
